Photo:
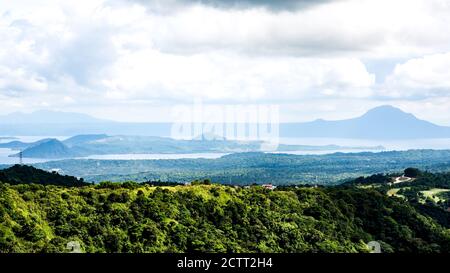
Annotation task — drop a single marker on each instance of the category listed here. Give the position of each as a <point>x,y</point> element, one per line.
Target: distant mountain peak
<point>48,116</point>
<point>387,112</point>
<point>382,122</point>
<point>385,107</point>
<point>388,109</point>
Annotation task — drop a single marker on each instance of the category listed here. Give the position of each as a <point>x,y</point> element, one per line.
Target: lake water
<point>154,156</point>
<point>399,145</point>
<point>387,144</point>
<point>5,159</point>
<point>4,153</point>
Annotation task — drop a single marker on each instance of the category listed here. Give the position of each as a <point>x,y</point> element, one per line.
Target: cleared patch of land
<point>394,192</point>
<point>434,194</point>
<point>402,179</point>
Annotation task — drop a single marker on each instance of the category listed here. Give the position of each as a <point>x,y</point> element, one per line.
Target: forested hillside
<point>428,193</point>
<point>23,174</point>
<point>249,168</point>
<point>131,217</point>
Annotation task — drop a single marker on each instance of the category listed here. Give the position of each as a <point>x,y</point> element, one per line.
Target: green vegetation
<point>205,217</point>
<point>428,193</point>
<point>434,194</point>
<point>249,168</point>
<point>394,192</point>
<point>412,172</point>
<point>21,174</point>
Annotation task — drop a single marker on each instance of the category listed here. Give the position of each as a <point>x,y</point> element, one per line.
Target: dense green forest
<point>19,174</point>
<point>428,193</point>
<point>249,168</point>
<point>205,217</point>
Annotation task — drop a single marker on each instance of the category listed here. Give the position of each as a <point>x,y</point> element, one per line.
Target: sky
<point>135,60</point>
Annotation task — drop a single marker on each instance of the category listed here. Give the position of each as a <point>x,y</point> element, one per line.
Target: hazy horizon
<point>86,115</point>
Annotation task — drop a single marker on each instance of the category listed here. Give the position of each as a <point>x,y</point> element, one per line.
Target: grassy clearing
<point>371,186</point>
<point>394,192</point>
<point>434,194</point>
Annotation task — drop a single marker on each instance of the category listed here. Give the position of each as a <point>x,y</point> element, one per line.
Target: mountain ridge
<point>382,122</point>
<point>49,116</point>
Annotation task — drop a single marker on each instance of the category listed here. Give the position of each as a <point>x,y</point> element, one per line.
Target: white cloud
<point>14,81</point>
<point>426,76</point>
<point>94,55</point>
<point>362,28</point>
<point>152,74</point>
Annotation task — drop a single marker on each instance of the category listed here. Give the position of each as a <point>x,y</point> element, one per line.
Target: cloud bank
<point>311,57</point>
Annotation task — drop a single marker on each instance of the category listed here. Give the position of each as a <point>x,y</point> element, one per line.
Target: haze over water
<point>389,145</point>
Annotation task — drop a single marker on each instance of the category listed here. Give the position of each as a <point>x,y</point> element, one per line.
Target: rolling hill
<point>51,148</point>
<point>249,168</point>
<point>202,218</point>
<point>23,174</point>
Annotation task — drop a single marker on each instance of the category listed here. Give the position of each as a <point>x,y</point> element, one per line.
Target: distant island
<point>102,144</point>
